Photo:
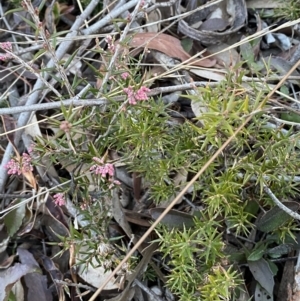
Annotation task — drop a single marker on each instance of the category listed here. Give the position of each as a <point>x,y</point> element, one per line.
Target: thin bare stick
<point>279,204</point>
<point>96,101</point>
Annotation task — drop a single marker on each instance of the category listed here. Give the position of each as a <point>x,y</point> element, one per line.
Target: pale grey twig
<point>279,204</point>
<point>160,4</point>
<point>54,105</point>
<point>267,178</point>
<point>15,195</point>
<point>110,16</point>
<point>96,101</point>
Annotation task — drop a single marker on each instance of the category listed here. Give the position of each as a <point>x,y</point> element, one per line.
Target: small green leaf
<point>290,116</point>
<point>14,219</point>
<point>187,44</point>
<point>257,253</point>
<point>262,273</point>
<point>284,89</point>
<point>280,250</point>
<point>276,217</point>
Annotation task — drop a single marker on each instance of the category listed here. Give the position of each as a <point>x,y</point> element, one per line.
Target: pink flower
<point>59,199</point>
<point>102,169</point>
<point>65,126</point>
<point>6,46</point>
<point>13,167</point>
<point>98,160</point>
<point>142,3</point>
<point>106,169</point>
<point>130,95</point>
<point>5,57</point>
<point>140,94</point>
<point>113,183</point>
<point>124,75</point>
<point>17,168</point>
<point>26,163</point>
<point>110,43</point>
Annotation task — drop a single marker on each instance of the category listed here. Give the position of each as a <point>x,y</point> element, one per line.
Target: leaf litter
<point>67,251</point>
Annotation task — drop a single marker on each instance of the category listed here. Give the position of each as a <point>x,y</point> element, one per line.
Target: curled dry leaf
<point>215,23</point>
<point>169,45</point>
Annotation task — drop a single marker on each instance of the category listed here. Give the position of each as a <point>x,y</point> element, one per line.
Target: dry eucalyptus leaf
<point>168,45</point>
<point>261,294</point>
<point>7,262</point>
<point>18,291</point>
<point>35,282</point>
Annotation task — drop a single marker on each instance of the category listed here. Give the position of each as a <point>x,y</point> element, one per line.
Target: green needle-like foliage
<point>230,191</point>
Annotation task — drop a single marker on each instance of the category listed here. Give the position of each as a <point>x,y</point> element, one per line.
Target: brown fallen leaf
<point>169,45</point>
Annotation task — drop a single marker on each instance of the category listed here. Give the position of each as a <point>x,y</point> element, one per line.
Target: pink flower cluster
<point>110,43</point>
<point>5,46</point>
<point>134,96</point>
<point>59,199</point>
<point>65,126</point>
<point>104,169</point>
<point>142,4</point>
<point>124,75</point>
<point>15,167</point>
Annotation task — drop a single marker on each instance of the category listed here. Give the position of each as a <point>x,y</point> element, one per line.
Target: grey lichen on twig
<point>279,204</point>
